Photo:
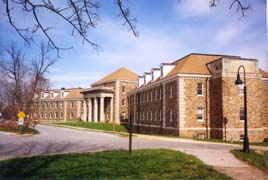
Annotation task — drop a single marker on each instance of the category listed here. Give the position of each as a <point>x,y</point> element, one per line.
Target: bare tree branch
<point>239,5</point>
<point>125,13</point>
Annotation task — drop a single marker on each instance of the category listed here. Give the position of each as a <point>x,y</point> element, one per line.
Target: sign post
<point>21,117</point>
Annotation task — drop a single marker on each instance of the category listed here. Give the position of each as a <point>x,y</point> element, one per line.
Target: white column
<point>89,110</point>
<point>102,109</point>
<point>117,101</point>
<point>95,109</point>
<point>84,110</point>
<point>111,110</point>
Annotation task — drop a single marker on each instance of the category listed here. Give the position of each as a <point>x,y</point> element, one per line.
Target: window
<point>50,114</point>
<point>71,115</point>
<point>123,115</point>
<point>155,115</point>
<point>61,115</point>
<point>61,104</point>
<point>217,67</point>
<point>200,89</point>
<point>42,95</point>
<point>160,115</point>
<point>155,95</point>
<point>46,105</point>
<point>123,88</point>
<point>147,100</point>
<point>51,105</point>
<point>151,115</point>
<point>242,115</point>
<point>241,89</point>
<point>45,115</point>
<point>170,115</point>
<point>160,93</point>
<point>200,114</point>
<point>52,95</point>
<point>201,136</point>
<point>72,104</point>
<point>56,115</point>
<point>171,91</point>
<point>151,95</point>
<point>241,137</point>
<point>123,102</point>
<point>41,115</point>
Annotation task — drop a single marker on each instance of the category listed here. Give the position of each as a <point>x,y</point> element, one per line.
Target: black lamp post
<point>240,82</point>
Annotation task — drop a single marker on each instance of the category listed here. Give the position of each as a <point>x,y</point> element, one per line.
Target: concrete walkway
<point>58,140</point>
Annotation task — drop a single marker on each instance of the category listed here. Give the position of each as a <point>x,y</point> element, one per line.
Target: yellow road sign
<point>21,114</point>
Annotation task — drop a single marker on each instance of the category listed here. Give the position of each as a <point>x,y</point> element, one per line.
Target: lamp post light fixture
<point>238,81</point>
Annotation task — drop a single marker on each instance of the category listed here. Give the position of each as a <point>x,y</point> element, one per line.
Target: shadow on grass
<point>142,164</point>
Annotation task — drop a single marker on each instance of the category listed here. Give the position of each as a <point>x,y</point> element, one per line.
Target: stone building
<point>196,96</point>
<point>106,100</point>
<point>59,104</point>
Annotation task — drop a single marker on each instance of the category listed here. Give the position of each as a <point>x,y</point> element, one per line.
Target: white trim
<point>264,79</point>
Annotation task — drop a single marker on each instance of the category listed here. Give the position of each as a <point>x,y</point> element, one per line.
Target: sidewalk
<point>220,158</point>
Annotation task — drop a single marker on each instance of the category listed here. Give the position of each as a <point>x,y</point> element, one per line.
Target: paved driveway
<point>64,140</point>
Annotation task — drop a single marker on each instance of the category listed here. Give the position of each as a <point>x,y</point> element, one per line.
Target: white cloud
<point>192,8</point>
<point>140,54</point>
<point>227,34</point>
<point>75,79</point>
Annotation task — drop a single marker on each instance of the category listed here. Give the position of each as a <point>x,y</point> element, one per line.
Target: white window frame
<point>202,89</point>
<point>170,91</point>
<point>123,88</point>
<point>200,111</point>
<point>71,115</point>
<point>170,115</point>
<point>123,102</point>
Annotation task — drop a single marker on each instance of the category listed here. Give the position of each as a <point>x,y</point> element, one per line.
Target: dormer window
<point>62,94</point>
<point>52,95</point>
<point>42,95</point>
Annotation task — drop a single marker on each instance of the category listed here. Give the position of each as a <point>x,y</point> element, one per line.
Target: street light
<point>238,81</point>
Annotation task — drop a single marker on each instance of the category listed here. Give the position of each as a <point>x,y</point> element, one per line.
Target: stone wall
<point>233,102</point>
<point>192,126</point>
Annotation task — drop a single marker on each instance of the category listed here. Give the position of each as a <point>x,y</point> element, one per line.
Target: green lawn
<point>253,158</point>
<point>142,164</point>
<point>93,125</point>
<point>13,130</point>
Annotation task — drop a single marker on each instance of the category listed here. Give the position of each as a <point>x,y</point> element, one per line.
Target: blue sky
<point>168,30</point>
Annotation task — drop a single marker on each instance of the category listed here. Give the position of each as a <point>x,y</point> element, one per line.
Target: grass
<point>253,158</point>
<point>142,164</point>
<point>14,130</point>
<point>93,125</point>
<point>233,142</point>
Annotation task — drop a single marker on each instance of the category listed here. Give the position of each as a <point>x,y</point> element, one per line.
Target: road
<point>56,140</point>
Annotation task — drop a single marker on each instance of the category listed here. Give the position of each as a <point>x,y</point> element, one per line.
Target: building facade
<point>196,96</point>
<point>106,100</point>
<point>59,104</point>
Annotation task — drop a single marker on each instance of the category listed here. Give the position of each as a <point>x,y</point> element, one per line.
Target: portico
<point>98,104</point>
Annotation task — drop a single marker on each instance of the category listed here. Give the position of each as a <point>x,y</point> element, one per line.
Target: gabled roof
<point>119,74</point>
<point>195,64</point>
